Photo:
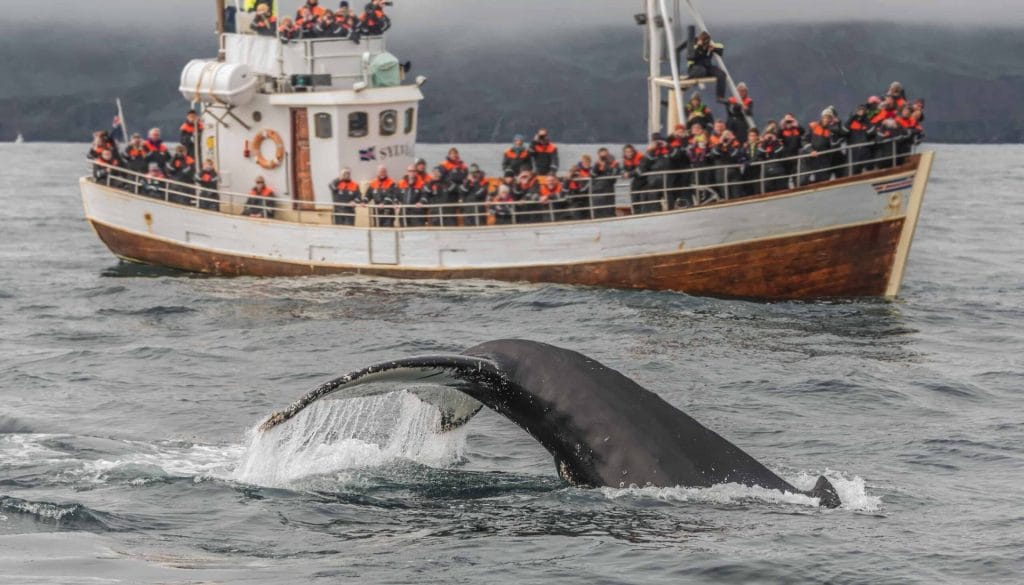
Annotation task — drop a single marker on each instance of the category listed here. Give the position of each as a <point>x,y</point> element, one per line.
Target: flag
<point>894,185</point>
<point>368,154</point>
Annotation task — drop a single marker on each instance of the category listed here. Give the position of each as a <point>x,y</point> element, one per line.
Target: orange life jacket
<point>546,192</point>
<point>404,183</point>
<point>632,163</point>
<point>548,148</point>
<point>747,102</point>
<point>188,162</point>
<point>819,130</point>
<point>523,154</point>
<point>908,123</point>
<point>378,183</point>
<point>190,128</point>
<point>136,152</point>
<point>449,165</point>
<point>264,192</point>
<point>791,132</point>
<point>857,125</point>
<point>208,176</point>
<point>347,186</point>
<point>150,148</point>
<point>882,116</point>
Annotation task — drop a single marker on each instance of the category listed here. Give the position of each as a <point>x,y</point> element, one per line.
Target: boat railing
<point>595,197</point>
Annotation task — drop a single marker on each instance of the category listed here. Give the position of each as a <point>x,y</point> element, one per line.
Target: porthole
<point>388,122</point>
<point>257,116</point>
<point>410,120</point>
<point>358,124</point>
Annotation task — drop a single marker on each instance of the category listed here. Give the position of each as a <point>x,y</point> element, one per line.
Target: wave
<point>10,425</point>
<point>64,516</point>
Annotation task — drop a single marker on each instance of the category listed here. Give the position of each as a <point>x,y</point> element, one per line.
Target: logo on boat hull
<point>368,154</point>
<point>893,185</point>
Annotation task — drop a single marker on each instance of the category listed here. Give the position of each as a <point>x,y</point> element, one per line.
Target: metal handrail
<point>566,207</point>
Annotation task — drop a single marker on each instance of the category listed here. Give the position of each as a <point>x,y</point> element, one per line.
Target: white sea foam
<point>333,436</point>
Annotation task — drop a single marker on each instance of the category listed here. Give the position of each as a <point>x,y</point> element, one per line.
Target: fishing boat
<point>296,112</point>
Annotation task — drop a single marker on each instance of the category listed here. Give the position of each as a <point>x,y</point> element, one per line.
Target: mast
<point>220,17</point>
<point>654,55</point>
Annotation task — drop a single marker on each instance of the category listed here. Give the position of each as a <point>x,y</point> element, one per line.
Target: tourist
<point>861,138</point>
<point>374,21</point>
<point>135,156</point>
<point>346,194</point>
<point>190,131</point>
<point>769,152</point>
<point>208,179</point>
<point>181,169</point>
<point>264,23</point>
<point>156,149</point>
<point>701,62</point>
<point>500,205</point>
<point>473,193</point>
<point>154,184</point>
<point>728,156</point>
<point>739,110</point>
<point>791,133</point>
<point>543,154</point>
<point>517,158</point>
<point>697,112</point>
<point>412,195</point>
<point>382,192</point>
<point>604,174</point>
<point>259,203</point>
<point>821,139</point>
<point>654,165</point>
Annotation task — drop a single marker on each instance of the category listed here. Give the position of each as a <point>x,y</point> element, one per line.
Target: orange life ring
<point>278,154</point>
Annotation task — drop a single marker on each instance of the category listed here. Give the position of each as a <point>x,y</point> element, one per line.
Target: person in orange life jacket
<point>412,195</point>
<point>100,172</point>
<point>697,153</point>
<point>697,112</point>
<point>437,191</point>
<point>547,192</point>
<point>156,149</point>
<point>313,6</point>
<point>374,21</point>
<point>383,193</point>
<point>604,174</point>
<point>913,132</point>
<point>886,135</point>
<point>578,189</point>
<point>305,21</point>
<point>543,154</point>
<point>738,110</point>
<point>899,96</point>
<point>421,170</point>
<point>679,180</point>
<point>821,139</point>
<point>500,205</point>
<point>349,22</point>
<point>327,27</point>
<point>508,179</point>
<point>181,169</point>
<point>453,173</point>
<point>135,157</point>
<point>473,191</point>
<point>887,110</point>
<point>728,156</point>
<point>288,31</point>
<point>153,184</point>
<point>874,104</point>
<point>918,110</point>
<point>264,23</point>
<point>522,191</point>
<point>861,139</point>
<point>517,158</point>
<point>791,133</point>
<point>208,179</point>
<point>839,160</point>
<point>717,130</point>
<point>701,62</point>
<point>656,161</point>
<point>771,150</point>
<point>751,173</point>
<point>346,194</point>
<point>190,130</point>
<point>258,204</point>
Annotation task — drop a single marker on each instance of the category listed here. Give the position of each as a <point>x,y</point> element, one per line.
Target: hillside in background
<point>585,88</point>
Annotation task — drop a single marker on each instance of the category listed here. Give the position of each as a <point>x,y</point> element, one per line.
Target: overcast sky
<point>562,13</point>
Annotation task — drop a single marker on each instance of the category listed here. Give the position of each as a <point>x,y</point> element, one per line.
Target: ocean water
<point>128,396</point>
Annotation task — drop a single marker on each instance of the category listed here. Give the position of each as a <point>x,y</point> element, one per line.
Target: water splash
<point>852,493</point>
<point>335,436</point>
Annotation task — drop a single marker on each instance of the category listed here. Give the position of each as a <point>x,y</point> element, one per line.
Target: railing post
<point>849,160</point>
<point>761,166</point>
<point>799,179</point>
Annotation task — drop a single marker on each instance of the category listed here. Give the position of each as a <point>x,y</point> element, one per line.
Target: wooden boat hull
<point>849,239</point>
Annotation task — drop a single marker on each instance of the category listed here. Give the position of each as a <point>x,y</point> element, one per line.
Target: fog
<point>538,15</point>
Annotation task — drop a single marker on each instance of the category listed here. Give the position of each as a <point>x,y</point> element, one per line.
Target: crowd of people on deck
<point>705,158</point>
<point>313,21</point>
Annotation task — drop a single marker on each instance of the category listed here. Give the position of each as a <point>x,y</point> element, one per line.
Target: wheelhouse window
<point>358,124</point>
<point>410,120</point>
<point>388,122</point>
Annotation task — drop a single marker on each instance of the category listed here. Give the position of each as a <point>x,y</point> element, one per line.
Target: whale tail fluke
<point>826,493</point>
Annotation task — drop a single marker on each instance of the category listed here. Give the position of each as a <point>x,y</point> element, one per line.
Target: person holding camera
<point>701,62</point>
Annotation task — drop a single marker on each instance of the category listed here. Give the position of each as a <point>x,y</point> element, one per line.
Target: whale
<point>602,428</point>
